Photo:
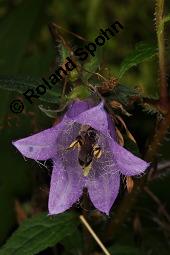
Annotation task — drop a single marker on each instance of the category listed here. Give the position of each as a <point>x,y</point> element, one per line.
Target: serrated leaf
<point>142,52</point>
<point>90,67</point>
<point>123,94</point>
<point>152,108</point>
<point>61,47</point>
<point>40,232</point>
<point>22,84</point>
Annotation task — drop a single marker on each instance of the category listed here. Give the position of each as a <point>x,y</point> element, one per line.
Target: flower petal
<point>127,163</point>
<point>77,107</point>
<point>111,127</point>
<point>66,187</point>
<point>104,190</point>
<point>40,146</point>
<point>96,117</point>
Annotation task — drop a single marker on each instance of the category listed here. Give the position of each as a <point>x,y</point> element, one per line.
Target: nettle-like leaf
<point>151,107</point>
<point>92,64</point>
<point>40,232</point>
<point>90,67</point>
<point>22,84</point>
<point>62,49</point>
<point>123,94</point>
<point>142,52</point>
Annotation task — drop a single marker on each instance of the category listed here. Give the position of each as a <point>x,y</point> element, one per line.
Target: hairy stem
<point>161,52</point>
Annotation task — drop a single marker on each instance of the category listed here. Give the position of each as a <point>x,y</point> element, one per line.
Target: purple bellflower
<point>85,153</point>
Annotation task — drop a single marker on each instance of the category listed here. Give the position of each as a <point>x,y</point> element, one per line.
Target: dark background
<point>26,48</point>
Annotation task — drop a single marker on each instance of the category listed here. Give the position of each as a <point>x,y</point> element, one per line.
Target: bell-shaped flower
<point>85,153</point>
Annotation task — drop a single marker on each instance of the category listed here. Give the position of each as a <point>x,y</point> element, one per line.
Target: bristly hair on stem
<point>163,88</point>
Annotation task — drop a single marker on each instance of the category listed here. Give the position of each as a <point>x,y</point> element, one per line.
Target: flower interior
<point>88,148</point>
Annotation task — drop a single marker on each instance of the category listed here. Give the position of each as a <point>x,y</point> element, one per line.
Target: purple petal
<point>96,117</point>
<point>111,127</point>
<point>77,107</point>
<point>104,190</point>
<point>40,146</point>
<point>128,163</point>
<point>66,187</point>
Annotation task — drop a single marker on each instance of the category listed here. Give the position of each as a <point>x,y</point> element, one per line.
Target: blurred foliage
<point>27,53</point>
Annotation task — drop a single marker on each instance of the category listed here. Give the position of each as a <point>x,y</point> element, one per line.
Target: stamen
<point>73,144</point>
<point>97,152</point>
<point>76,143</point>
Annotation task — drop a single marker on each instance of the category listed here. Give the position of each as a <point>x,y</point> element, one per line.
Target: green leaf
<point>62,49</point>
<point>124,250</point>
<point>142,52</point>
<point>22,84</point>
<point>80,92</point>
<point>15,32</point>
<point>90,67</point>
<point>40,232</point>
<point>123,94</point>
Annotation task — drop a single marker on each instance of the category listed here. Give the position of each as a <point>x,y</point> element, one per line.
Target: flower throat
<point>88,149</point>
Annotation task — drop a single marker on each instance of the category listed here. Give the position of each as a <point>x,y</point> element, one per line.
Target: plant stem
<point>91,231</point>
<point>88,241</point>
<point>161,52</point>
